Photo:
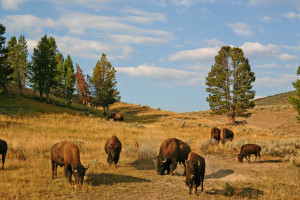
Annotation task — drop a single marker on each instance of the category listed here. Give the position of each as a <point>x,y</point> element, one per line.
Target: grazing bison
<point>3,151</point>
<point>247,150</point>
<point>215,133</point>
<point>171,152</point>
<point>67,154</point>
<point>116,117</point>
<point>113,148</point>
<point>226,134</point>
<point>195,171</point>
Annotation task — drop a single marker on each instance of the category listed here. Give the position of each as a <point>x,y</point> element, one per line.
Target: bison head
<point>161,164</point>
<point>79,173</point>
<point>240,157</point>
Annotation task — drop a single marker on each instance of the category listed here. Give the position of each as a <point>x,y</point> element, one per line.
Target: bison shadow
<point>143,164</point>
<point>271,161</point>
<point>249,193</point>
<point>219,174</point>
<point>110,179</point>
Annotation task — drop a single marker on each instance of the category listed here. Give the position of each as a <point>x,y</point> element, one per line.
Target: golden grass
<point>27,173</point>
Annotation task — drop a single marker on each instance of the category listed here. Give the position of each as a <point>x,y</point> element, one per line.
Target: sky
<point>163,49</point>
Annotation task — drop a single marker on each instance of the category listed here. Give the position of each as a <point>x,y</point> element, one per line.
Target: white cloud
<point>286,56</point>
<point>152,71</point>
<point>12,4</point>
<point>241,29</point>
<point>290,3</point>
<point>270,65</point>
<point>201,54</point>
<point>129,39</point>
<point>185,3</point>
<point>31,44</point>
<point>213,42</point>
<point>266,19</point>
<point>144,17</point>
<point>291,15</point>
<point>275,81</point>
<point>255,49</point>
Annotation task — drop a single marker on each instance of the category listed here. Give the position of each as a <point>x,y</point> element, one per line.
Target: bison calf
<point>247,150</point>
<point>113,148</point>
<point>67,154</point>
<point>116,117</point>
<point>195,171</point>
<point>3,151</point>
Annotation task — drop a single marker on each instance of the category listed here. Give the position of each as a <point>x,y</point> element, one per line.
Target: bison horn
<point>154,160</point>
<point>185,161</point>
<point>165,160</point>
<point>198,163</point>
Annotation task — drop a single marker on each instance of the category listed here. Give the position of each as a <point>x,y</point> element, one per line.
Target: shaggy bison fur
<point>113,148</point>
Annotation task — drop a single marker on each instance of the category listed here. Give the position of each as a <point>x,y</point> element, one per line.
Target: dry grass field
<point>27,173</point>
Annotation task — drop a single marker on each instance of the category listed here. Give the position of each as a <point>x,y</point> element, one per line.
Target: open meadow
<point>27,173</point>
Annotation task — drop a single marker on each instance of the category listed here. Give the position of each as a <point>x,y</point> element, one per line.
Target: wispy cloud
<point>241,29</point>
<point>152,71</point>
<point>291,15</point>
<point>275,81</point>
<point>12,4</point>
<point>185,3</point>
<point>201,54</point>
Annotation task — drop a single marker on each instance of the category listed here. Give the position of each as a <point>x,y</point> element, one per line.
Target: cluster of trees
<point>49,72</point>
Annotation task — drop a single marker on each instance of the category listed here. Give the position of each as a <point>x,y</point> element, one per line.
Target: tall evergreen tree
<point>229,83</point>
<point>296,99</point>
<point>104,84</point>
<point>19,52</point>
<point>60,75</point>
<point>69,80</point>
<point>43,68</point>
<point>5,67</point>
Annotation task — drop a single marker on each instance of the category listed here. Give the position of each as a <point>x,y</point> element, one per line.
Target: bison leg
<point>259,158</point>
<point>195,189</point>
<point>202,180</point>
<point>190,189</point>
<point>68,173</point>
<point>248,158</point>
<point>109,160</point>
<point>54,169</point>
<point>3,160</point>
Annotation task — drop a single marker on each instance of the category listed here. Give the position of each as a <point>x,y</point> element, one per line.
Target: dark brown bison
<point>171,152</point>
<point>113,148</point>
<point>3,151</point>
<point>247,150</point>
<point>116,117</point>
<point>215,133</point>
<point>226,134</point>
<point>67,154</point>
<point>195,171</point>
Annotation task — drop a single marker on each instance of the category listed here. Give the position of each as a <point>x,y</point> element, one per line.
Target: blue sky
<point>163,49</point>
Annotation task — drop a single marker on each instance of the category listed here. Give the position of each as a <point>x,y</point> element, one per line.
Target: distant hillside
<point>278,99</point>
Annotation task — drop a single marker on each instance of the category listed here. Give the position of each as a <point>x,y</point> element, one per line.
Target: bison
<point>3,151</point>
<point>226,134</point>
<point>116,117</point>
<point>247,150</point>
<point>67,154</point>
<point>215,133</point>
<point>171,152</point>
<point>195,171</point>
<point>113,148</point>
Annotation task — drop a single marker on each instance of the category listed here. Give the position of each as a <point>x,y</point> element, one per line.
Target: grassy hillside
<point>278,99</point>
<point>31,134</point>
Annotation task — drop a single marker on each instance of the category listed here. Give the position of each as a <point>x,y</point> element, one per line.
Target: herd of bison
<point>172,152</point>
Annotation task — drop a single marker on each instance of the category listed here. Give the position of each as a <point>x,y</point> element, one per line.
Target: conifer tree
<point>295,100</point>
<point>104,83</point>
<point>229,83</point>
<point>60,75</point>
<point>19,52</point>
<point>69,80</point>
<point>43,68</point>
<point>5,66</point>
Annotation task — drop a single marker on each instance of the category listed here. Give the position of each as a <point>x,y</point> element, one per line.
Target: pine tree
<point>104,83</point>
<point>82,86</point>
<point>69,80</point>
<point>43,68</point>
<point>5,67</point>
<point>19,52</point>
<point>229,83</point>
<point>295,100</point>
<point>60,75</point>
